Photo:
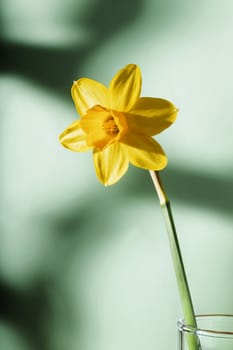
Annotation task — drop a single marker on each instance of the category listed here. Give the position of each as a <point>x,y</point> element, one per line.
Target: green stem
<point>186,301</point>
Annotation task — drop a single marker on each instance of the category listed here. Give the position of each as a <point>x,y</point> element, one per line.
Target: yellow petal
<point>144,152</point>
<point>87,93</point>
<point>150,116</point>
<point>74,138</point>
<point>110,164</point>
<point>125,88</point>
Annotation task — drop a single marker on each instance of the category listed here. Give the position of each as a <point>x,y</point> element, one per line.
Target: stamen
<point>110,126</point>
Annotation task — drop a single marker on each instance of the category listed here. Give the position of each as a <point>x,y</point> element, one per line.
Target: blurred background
<point>87,267</point>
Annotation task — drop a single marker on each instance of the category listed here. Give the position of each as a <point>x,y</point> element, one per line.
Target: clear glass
<point>214,332</point>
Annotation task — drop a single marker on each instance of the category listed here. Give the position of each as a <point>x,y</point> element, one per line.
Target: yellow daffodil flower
<point>118,124</point>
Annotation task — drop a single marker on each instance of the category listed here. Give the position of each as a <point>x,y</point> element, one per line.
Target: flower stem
<point>186,301</point>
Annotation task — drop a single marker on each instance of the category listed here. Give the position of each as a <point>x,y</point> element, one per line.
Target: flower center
<point>110,126</point>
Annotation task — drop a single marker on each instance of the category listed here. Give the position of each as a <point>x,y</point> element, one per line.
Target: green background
<point>86,267</point>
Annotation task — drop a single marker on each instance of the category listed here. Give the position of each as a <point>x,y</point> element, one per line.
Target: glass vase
<point>213,331</point>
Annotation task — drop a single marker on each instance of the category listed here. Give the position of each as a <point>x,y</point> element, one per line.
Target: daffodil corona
<point>118,124</point>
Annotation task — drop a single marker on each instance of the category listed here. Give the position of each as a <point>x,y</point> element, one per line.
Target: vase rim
<point>199,331</point>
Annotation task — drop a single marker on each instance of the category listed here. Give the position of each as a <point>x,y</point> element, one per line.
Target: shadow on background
<point>189,187</point>
<point>27,311</point>
<point>56,67</point>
